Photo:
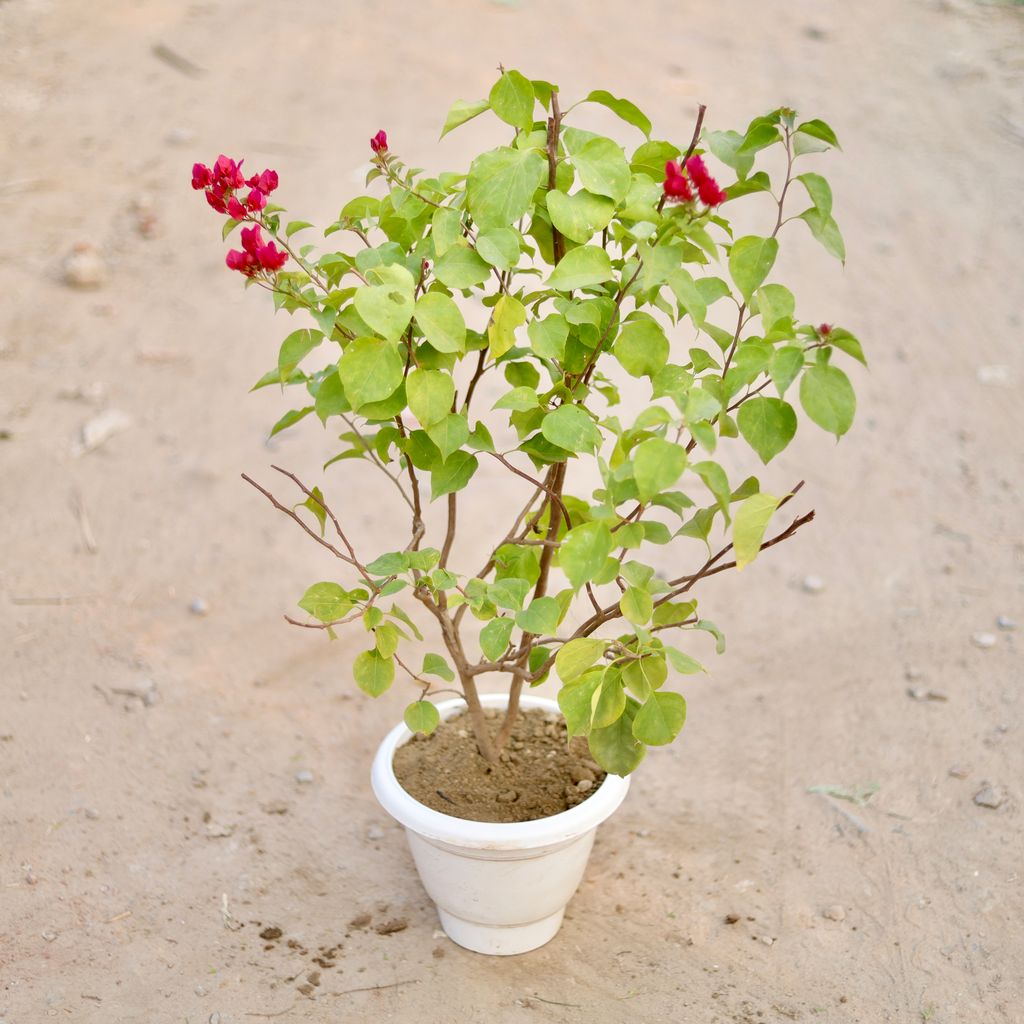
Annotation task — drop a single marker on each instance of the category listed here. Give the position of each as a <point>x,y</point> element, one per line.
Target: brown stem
<point>554,126</point>
<point>449,537</point>
<point>526,644</point>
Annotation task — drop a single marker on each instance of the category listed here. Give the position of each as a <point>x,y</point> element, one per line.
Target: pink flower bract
<point>379,143</point>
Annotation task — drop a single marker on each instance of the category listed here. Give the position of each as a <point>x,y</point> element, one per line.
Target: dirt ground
<point>153,818</point>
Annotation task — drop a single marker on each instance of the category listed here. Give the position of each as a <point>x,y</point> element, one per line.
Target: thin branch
<point>536,483</point>
<point>689,149</point>
<point>449,537</point>
<point>288,512</point>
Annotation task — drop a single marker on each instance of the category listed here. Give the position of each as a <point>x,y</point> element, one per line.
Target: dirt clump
<point>541,771</point>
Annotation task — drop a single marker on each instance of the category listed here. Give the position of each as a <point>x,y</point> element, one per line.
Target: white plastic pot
<point>500,888</point>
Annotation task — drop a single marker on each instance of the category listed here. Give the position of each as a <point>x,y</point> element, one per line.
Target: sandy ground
<point>146,843</point>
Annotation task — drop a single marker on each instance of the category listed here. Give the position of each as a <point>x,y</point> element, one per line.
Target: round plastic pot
<point>500,888</point>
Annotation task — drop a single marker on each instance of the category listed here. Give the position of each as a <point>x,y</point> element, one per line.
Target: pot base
<point>499,940</point>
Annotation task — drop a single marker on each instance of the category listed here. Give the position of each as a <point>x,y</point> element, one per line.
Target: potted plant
<point>555,269</point>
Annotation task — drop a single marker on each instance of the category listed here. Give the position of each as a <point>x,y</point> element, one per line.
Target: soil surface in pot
<point>541,771</point>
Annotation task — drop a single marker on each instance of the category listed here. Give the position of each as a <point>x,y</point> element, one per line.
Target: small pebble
<point>31,878</point>
<point>960,771</point>
<point>732,918</point>
<point>1005,623</point>
<point>994,376</point>
<point>373,834</point>
<point>397,924</point>
<point>813,584</point>
<point>305,776</point>
<point>580,774</point>
<point>84,267</point>
<point>584,785</point>
<point>197,606</point>
<point>180,136</point>
<point>768,940</point>
<point>270,933</point>
<point>199,990</point>
<point>360,921</point>
<point>919,693</point>
<point>988,796</point>
<point>49,936</point>
<point>912,673</point>
<point>214,1018</point>
<point>92,814</point>
<point>274,806</point>
<point>507,796</point>
<point>983,640</point>
<point>834,913</point>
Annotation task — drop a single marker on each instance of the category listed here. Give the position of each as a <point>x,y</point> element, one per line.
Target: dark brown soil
<point>540,773</point>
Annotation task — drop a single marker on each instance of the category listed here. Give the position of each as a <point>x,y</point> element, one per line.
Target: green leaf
<point>389,564</point>
<point>825,230</point>
<point>767,425</point>
<point>326,601</point>
<point>641,347</point>
<point>435,665</point>
<point>583,552</point>
<point>548,336</point>
<point>540,617</point>
<point>501,184</point>
<point>373,673</point>
<point>461,267</point>
<point>727,147</point>
<point>750,260</point>
<point>775,302</point>
<point>846,342</point>
<point>499,246</point>
<point>683,662</point>
<point>629,112</point>
<point>509,313</point>
<point>644,675</point>
<point>609,701</point>
<point>294,349</point>
<point>450,433</point>
<point>430,394</point>
<point>519,399</point>
<point>785,364</point>
<point>495,635</point>
<point>315,504</point>
<point>441,322</point>
<point>657,465</point>
<point>446,230</point>
<point>462,111</point>
<point>512,99</point>
<point>819,190</point>
<point>709,627</point>
<point>575,657</point>
<point>571,428</point>
<point>453,474</point>
<point>422,716</point>
<point>660,719</point>
<point>637,606</point>
<point>370,369</point>
<point>576,702</point>
<point>289,419</point>
<point>615,748</point>
<point>688,295</point>
<point>580,215</point>
<point>295,226</point>
<point>603,168</point>
<point>750,523</point>
<point>828,398</point>
<point>579,268</point>
<point>716,482</point>
<point>509,592</point>
<point>817,129</point>
<point>387,307</point>
<point>386,636</point>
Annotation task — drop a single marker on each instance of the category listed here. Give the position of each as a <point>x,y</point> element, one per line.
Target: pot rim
<point>490,835</point>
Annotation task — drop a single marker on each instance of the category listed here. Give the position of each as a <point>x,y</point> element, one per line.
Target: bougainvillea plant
<point>559,265</point>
